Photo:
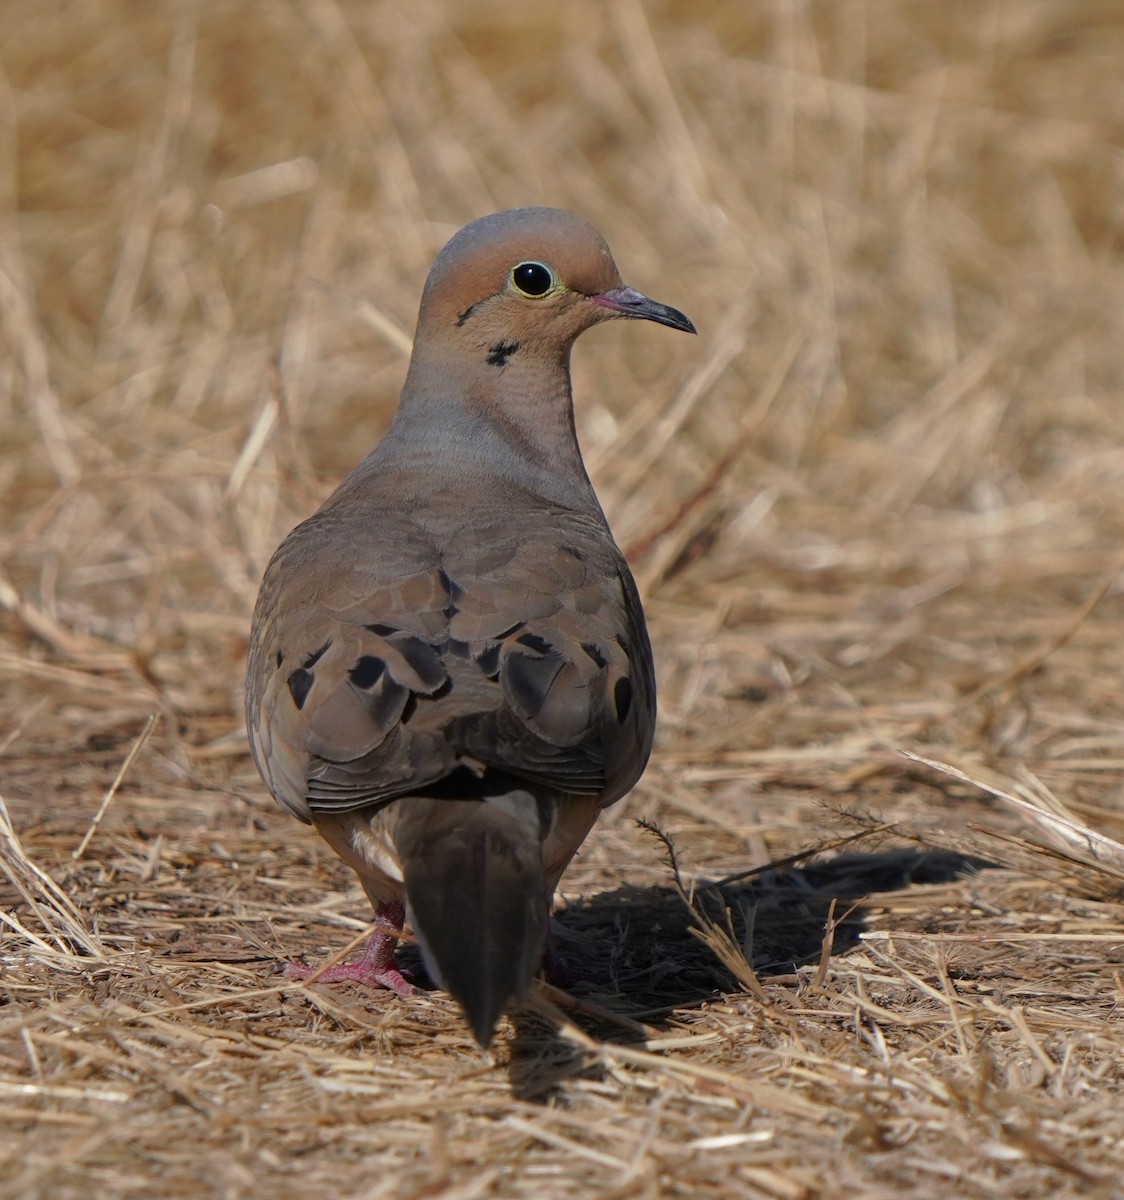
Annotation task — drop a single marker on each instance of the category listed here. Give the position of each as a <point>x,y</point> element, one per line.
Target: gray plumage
<point>449,672</point>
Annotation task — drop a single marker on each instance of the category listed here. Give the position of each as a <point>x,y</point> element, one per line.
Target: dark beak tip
<point>672,318</point>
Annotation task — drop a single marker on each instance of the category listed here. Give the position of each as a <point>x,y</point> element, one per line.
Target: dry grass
<point>878,504</point>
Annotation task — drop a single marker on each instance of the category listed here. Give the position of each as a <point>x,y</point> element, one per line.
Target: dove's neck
<point>479,422</point>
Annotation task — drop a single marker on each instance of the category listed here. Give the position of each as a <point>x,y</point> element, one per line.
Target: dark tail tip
<point>478,906</point>
<point>489,960</point>
<point>481,1011</point>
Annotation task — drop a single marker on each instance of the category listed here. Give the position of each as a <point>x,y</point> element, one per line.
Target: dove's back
<point>449,672</point>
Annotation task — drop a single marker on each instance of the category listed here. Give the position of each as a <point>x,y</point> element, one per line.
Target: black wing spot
<point>501,352</point>
<point>454,592</point>
<point>502,637</point>
<point>367,672</point>
<point>280,658</point>
<point>424,659</point>
<point>315,656</point>
<point>489,661</point>
<point>528,681</point>
<point>622,697</point>
<point>449,584</point>
<point>533,642</point>
<point>411,705</point>
<point>382,630</point>
<point>300,684</point>
<point>594,652</point>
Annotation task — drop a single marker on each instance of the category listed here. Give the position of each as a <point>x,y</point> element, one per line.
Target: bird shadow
<point>633,955</point>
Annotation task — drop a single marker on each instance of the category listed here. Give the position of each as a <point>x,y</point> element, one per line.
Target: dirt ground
<point>876,508</point>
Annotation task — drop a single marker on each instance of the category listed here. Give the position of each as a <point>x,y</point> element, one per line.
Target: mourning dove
<point>449,672</point>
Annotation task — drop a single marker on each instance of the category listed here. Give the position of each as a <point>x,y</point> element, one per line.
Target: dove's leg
<point>378,966</point>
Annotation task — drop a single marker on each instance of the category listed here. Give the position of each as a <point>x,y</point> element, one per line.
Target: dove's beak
<point>628,302</point>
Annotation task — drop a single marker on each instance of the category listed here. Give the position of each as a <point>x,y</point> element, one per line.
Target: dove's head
<point>531,280</point>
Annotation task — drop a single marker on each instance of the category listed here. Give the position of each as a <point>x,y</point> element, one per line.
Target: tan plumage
<point>449,671</point>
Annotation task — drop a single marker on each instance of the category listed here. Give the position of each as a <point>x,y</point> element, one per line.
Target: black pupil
<point>532,278</point>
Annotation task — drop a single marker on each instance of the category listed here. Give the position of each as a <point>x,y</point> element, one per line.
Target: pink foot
<point>377,967</point>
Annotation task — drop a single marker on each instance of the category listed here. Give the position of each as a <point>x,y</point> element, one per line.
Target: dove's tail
<point>476,895</point>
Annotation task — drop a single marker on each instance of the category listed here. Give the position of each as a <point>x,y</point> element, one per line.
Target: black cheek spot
<point>367,671</point>
<point>465,315</point>
<point>501,352</point>
<point>622,698</point>
<point>300,684</point>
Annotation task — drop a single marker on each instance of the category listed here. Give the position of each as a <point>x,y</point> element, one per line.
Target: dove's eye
<point>532,279</point>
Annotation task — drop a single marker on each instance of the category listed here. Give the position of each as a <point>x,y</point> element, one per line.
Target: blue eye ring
<point>532,279</point>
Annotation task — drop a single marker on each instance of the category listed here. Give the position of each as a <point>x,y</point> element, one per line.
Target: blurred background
<point>877,503</point>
